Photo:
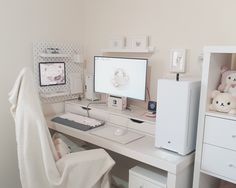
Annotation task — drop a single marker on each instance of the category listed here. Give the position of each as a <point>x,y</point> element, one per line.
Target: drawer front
<point>220,132</point>
<point>141,126</point>
<point>137,182</point>
<point>98,114</point>
<point>219,161</point>
<point>75,108</point>
<point>118,120</point>
<point>82,110</point>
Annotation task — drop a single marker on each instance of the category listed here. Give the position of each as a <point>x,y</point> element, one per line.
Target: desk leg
<point>183,179</point>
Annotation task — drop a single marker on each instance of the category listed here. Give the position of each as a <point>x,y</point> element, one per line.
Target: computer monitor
<point>52,73</point>
<point>124,77</point>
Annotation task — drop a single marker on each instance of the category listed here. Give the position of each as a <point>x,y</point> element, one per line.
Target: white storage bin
<point>147,177</point>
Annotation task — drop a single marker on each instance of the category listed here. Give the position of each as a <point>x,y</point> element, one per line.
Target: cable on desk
<point>93,102</point>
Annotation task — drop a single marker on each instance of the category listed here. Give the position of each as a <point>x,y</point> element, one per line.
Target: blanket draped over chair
<point>38,161</point>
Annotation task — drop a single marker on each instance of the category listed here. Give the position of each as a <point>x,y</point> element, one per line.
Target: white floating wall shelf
<point>129,50</point>
<point>46,55</point>
<point>55,94</point>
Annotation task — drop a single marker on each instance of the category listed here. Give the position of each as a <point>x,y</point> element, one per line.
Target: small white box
<point>118,103</point>
<point>177,115</point>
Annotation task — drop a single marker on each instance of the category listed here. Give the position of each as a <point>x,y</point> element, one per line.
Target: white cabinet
<point>146,177</point>
<point>216,137</point>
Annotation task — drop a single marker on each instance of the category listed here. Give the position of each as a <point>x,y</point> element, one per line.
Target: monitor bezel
<point>40,83</point>
<point>114,57</point>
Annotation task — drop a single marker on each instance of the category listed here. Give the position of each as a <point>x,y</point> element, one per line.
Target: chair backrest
<point>36,152</point>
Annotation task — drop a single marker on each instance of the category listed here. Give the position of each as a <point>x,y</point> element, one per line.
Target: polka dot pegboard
<point>69,50</point>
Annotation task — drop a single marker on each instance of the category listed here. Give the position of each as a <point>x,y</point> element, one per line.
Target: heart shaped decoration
<point>138,44</point>
<point>115,43</point>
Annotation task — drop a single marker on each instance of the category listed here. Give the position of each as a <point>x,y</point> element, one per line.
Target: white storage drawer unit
<point>146,177</point>
<point>219,148</point>
<point>219,161</point>
<point>220,132</point>
<point>122,119</point>
<point>82,110</point>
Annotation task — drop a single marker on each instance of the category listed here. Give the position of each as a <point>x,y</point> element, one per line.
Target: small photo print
<point>117,42</point>
<point>137,42</point>
<point>51,73</point>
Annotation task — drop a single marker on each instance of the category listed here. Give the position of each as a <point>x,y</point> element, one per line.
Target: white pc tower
<point>177,115</point>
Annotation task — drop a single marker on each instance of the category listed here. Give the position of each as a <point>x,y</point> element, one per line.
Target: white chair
<point>38,161</point>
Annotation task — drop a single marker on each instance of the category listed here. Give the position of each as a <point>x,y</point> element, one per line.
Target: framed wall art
<point>177,60</point>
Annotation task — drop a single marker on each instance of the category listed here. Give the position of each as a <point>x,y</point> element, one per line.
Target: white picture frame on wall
<point>137,42</point>
<point>117,42</point>
<point>177,60</point>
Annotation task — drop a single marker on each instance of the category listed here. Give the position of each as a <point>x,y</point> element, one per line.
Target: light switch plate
<point>177,60</point>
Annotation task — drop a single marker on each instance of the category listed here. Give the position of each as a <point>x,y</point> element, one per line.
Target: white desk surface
<point>142,149</point>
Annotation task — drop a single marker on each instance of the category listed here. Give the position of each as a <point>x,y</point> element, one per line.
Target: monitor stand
<point>115,102</point>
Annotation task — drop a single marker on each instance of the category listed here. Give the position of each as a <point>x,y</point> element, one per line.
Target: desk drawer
<point>75,108</point>
<point>220,132</point>
<point>219,161</point>
<point>82,110</point>
<point>118,120</point>
<point>147,177</point>
<point>141,126</point>
<point>137,182</point>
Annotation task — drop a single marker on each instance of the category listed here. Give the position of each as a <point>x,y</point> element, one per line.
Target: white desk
<point>179,168</point>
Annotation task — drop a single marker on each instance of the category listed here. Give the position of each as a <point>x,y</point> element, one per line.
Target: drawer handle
<point>85,108</point>
<point>140,186</point>
<point>232,166</point>
<point>136,120</point>
<point>234,136</point>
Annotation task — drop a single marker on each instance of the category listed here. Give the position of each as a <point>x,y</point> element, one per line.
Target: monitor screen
<point>125,77</point>
<point>51,73</point>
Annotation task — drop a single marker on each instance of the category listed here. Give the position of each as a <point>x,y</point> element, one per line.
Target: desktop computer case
<point>177,115</point>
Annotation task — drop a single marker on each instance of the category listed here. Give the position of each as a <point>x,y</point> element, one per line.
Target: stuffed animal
<point>223,102</point>
<point>228,81</point>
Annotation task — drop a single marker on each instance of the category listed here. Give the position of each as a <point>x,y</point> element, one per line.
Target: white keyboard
<point>81,119</point>
<point>77,121</point>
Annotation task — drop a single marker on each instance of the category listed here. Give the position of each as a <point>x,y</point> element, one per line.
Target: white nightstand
<point>147,177</point>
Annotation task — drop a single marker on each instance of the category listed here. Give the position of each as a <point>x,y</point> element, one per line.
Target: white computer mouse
<point>119,132</point>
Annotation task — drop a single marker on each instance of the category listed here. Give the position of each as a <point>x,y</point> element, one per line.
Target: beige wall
<point>23,22</point>
<point>187,24</point>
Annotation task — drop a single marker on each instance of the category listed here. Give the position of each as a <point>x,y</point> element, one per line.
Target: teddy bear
<point>223,102</point>
<point>228,81</point>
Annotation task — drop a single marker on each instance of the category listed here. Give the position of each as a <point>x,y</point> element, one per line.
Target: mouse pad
<point>108,132</point>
